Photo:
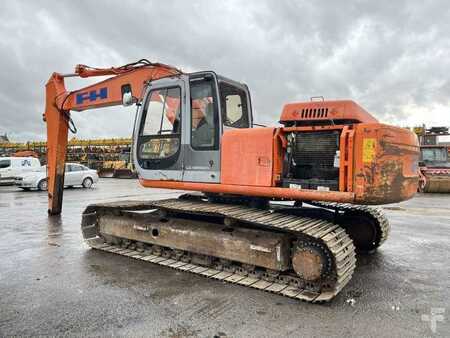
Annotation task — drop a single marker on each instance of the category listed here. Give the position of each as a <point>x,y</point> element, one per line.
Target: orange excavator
<point>282,209</point>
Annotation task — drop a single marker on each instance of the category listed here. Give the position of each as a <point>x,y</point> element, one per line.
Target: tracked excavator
<point>282,209</point>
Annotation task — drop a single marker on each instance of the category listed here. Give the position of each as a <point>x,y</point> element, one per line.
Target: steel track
<point>322,232</point>
<point>382,223</point>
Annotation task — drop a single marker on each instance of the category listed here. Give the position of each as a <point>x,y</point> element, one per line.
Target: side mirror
<point>127,99</point>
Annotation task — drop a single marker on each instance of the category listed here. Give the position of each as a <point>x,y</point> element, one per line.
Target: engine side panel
<point>247,157</point>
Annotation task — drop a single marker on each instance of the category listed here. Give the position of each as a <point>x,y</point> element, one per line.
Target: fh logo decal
<point>93,95</point>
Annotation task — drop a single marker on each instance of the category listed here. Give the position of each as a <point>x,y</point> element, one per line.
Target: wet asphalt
<point>52,284</point>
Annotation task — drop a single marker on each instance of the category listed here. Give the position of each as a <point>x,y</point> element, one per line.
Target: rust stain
<point>391,175</point>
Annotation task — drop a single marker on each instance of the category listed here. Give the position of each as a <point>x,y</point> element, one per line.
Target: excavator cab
<point>180,122</point>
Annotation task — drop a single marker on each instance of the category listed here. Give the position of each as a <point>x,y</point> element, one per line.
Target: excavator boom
<point>130,78</point>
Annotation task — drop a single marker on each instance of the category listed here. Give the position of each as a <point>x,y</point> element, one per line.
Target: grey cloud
<point>386,55</point>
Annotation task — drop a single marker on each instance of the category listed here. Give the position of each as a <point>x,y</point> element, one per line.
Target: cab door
<point>202,141</point>
<point>158,131</point>
<point>216,104</point>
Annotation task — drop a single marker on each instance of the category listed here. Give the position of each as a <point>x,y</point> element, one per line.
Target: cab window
<point>234,106</point>
<point>160,129</point>
<point>204,115</point>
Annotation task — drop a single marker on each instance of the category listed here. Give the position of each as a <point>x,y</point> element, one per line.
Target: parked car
<point>75,174</point>
<point>12,167</point>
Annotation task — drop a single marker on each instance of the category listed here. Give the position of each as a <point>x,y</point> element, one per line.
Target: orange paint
<point>57,129</point>
<point>135,78</point>
<point>247,157</point>
<point>385,163</point>
<point>325,110</point>
<point>246,190</point>
<point>346,159</point>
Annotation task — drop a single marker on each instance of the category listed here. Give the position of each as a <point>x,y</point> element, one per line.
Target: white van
<point>10,167</point>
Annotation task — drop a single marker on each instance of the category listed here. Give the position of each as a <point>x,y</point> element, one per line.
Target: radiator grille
<point>314,154</point>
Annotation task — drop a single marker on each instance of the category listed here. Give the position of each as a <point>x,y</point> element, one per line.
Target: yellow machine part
<point>114,165</point>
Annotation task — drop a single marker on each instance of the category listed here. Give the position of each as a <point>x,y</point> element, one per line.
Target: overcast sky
<point>392,57</point>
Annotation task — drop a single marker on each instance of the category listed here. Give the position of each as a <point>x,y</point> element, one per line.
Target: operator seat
<point>203,135</point>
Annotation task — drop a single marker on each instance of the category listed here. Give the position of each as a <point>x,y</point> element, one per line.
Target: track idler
<point>367,226</point>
